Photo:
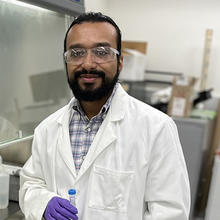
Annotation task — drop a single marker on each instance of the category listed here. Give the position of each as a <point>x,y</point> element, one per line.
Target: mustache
<point>84,71</point>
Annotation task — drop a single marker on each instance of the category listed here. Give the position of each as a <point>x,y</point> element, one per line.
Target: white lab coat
<point>134,170</point>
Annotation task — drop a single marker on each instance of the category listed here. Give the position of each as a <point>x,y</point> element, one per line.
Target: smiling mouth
<point>89,78</point>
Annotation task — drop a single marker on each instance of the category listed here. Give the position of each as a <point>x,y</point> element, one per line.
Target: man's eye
<point>100,52</point>
<point>77,53</point>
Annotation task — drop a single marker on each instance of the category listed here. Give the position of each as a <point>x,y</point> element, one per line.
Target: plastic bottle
<point>4,187</point>
<point>72,196</point>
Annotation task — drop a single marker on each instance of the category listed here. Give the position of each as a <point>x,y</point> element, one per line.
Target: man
<point>122,157</point>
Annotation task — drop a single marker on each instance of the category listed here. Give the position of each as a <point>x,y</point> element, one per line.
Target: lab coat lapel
<point>103,139</point>
<point>106,134</point>
<point>64,146</point>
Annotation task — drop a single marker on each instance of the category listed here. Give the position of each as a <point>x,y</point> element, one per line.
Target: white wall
<point>96,5</point>
<point>174,30</point>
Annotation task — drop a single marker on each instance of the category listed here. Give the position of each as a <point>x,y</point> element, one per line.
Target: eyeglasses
<point>77,56</point>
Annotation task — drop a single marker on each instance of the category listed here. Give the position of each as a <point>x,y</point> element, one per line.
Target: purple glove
<point>61,209</point>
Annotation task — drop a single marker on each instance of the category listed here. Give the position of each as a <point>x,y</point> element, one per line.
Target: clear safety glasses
<point>76,56</point>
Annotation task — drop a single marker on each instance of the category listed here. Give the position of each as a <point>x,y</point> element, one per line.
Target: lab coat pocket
<point>110,189</point>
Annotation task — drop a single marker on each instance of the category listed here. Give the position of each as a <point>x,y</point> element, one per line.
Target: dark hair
<point>95,17</point>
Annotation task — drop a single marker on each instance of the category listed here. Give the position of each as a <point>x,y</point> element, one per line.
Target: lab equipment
<point>23,98</point>
<point>4,187</point>
<point>58,89</point>
<point>72,196</point>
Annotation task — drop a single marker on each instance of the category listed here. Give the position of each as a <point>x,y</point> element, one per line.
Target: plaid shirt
<point>82,130</point>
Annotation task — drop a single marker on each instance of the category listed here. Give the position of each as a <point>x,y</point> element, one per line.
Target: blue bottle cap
<point>72,192</point>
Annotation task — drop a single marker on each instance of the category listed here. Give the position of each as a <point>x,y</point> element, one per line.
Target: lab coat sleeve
<point>167,192</point>
<point>33,193</point>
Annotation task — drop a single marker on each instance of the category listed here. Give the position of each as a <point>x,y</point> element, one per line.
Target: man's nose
<point>88,62</point>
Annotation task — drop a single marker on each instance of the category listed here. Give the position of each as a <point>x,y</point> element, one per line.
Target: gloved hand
<point>60,209</point>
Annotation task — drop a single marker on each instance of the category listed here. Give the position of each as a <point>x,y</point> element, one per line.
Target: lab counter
<point>13,212</point>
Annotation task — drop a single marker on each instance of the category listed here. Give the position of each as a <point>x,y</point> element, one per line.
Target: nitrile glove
<point>61,209</point>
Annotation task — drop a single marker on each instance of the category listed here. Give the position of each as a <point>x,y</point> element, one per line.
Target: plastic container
<point>72,196</point>
<point>4,187</point>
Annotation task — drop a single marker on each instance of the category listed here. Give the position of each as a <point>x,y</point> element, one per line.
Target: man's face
<point>91,81</point>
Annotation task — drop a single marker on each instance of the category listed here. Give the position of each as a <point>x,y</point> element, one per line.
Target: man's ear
<point>121,63</point>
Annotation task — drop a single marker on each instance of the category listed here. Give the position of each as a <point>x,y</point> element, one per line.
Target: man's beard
<point>90,94</point>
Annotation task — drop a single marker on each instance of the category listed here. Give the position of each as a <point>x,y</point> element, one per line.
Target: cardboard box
<point>134,61</point>
<point>181,96</point>
<point>135,45</point>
